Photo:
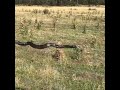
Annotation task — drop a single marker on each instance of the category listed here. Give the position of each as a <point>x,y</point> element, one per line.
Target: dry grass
<point>79,69</point>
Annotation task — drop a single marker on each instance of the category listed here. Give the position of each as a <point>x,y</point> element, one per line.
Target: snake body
<point>42,46</point>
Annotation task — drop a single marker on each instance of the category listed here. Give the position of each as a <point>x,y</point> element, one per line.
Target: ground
<point>79,69</point>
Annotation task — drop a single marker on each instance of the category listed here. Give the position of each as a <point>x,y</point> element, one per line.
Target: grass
<point>78,70</point>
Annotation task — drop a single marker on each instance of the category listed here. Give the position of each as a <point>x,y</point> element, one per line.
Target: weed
<point>46,11</point>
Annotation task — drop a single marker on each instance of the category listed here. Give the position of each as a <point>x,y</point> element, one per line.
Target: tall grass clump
<point>46,11</point>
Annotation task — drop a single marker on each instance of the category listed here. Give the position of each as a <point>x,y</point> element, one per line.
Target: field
<point>78,69</point>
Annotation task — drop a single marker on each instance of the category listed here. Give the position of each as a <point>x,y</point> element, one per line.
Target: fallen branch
<point>42,46</point>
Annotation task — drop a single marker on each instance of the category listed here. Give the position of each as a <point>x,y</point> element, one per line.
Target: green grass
<point>36,69</point>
